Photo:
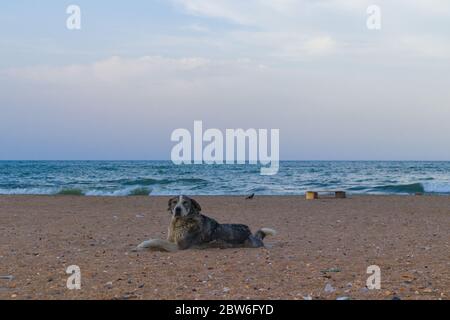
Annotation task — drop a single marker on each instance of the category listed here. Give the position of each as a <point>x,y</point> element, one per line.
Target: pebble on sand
<point>329,288</point>
<point>331,270</point>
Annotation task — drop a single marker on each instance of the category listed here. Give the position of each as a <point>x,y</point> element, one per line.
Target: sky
<point>136,71</point>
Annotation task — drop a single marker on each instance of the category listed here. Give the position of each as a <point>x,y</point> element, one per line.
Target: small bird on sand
<point>250,196</point>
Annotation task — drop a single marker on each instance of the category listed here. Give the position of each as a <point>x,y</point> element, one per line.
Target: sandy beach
<point>322,243</point>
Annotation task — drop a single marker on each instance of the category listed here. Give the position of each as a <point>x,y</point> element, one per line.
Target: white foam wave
<point>115,193</point>
<point>29,191</point>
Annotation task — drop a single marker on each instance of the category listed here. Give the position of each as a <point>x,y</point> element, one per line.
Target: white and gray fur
<point>190,229</point>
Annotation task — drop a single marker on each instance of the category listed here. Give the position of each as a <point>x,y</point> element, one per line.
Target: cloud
<point>300,29</point>
<point>289,46</point>
<point>216,9</point>
<point>320,46</point>
<point>144,83</point>
<point>260,12</point>
<point>115,70</point>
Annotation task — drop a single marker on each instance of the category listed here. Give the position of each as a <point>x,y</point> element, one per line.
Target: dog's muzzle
<point>177,211</point>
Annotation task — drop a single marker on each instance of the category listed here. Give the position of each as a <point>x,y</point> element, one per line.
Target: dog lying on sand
<point>189,229</point>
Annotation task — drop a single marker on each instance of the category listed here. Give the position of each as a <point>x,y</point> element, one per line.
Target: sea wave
<point>133,190</point>
<point>400,188</point>
<point>140,192</point>
<point>123,192</point>
<point>70,192</point>
<point>412,188</point>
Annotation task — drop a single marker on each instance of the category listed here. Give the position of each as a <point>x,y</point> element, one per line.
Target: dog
<point>189,229</point>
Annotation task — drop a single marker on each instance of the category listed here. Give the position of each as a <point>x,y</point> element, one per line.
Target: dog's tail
<point>158,245</point>
<point>264,232</point>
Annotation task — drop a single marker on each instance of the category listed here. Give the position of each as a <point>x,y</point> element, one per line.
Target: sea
<point>151,178</point>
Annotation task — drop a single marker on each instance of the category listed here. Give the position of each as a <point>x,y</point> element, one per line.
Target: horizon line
<point>168,160</point>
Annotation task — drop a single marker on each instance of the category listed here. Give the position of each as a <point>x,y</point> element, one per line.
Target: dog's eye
<point>185,203</point>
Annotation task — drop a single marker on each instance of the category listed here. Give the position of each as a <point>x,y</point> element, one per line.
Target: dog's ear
<point>171,203</point>
<point>196,206</point>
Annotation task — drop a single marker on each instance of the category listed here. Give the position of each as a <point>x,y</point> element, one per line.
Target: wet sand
<point>319,243</point>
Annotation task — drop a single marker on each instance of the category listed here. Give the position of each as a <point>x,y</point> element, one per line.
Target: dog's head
<point>183,206</point>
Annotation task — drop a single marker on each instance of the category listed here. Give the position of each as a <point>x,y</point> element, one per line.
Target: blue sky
<point>118,87</point>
